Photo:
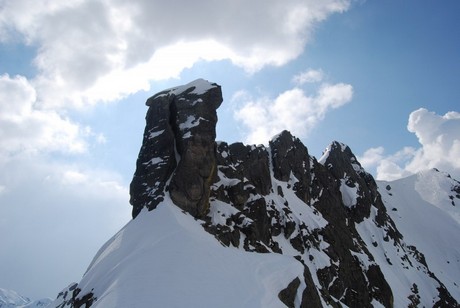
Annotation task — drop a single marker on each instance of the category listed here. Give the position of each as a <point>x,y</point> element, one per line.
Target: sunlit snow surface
<point>144,265</point>
<point>422,210</point>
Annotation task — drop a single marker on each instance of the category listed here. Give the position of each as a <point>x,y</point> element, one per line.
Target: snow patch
<point>156,134</point>
<point>191,122</point>
<point>349,194</point>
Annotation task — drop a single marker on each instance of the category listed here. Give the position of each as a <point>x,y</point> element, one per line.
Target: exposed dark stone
<point>156,160</point>
<point>310,296</point>
<point>290,156</point>
<point>71,298</point>
<point>180,121</point>
<point>343,165</point>
<point>445,299</point>
<point>260,228</point>
<point>287,295</point>
<point>415,297</point>
<point>378,286</point>
<point>250,162</point>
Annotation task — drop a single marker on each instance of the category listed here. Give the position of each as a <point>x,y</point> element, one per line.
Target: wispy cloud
<point>308,76</point>
<point>439,137</point>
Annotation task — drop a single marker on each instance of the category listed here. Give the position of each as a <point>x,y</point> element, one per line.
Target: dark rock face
<point>290,157</point>
<point>156,160</point>
<point>195,134</point>
<point>287,296</point>
<point>343,165</point>
<point>71,298</point>
<point>242,179</point>
<point>179,141</point>
<point>259,219</point>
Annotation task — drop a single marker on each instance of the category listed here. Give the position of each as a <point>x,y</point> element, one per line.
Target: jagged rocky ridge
<point>328,214</point>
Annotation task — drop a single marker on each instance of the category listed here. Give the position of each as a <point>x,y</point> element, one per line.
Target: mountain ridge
<point>328,219</point>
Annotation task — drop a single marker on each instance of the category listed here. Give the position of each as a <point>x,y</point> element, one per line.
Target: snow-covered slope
<point>426,208</point>
<point>164,258</point>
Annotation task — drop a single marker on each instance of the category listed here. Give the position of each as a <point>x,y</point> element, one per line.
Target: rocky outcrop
<point>178,148</point>
<point>290,159</point>
<point>276,199</point>
<point>70,297</point>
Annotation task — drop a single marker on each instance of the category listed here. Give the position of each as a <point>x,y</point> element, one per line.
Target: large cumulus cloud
<point>92,50</point>
<point>439,138</point>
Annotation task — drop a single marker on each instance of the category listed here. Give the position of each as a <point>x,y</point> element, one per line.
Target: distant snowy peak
<point>425,207</point>
<point>11,299</point>
<point>40,303</point>
<point>441,190</point>
<point>436,188</point>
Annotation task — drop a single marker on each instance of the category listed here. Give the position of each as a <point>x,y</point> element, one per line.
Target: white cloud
<point>309,76</point>
<point>293,110</point>
<point>387,167</point>
<point>439,138</point>
<point>371,157</point>
<point>24,128</point>
<point>91,50</point>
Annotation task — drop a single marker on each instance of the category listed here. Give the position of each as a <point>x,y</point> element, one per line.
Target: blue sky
<point>380,76</point>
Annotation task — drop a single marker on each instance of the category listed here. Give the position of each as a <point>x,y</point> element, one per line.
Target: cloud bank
<point>93,50</point>
<point>439,138</point>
